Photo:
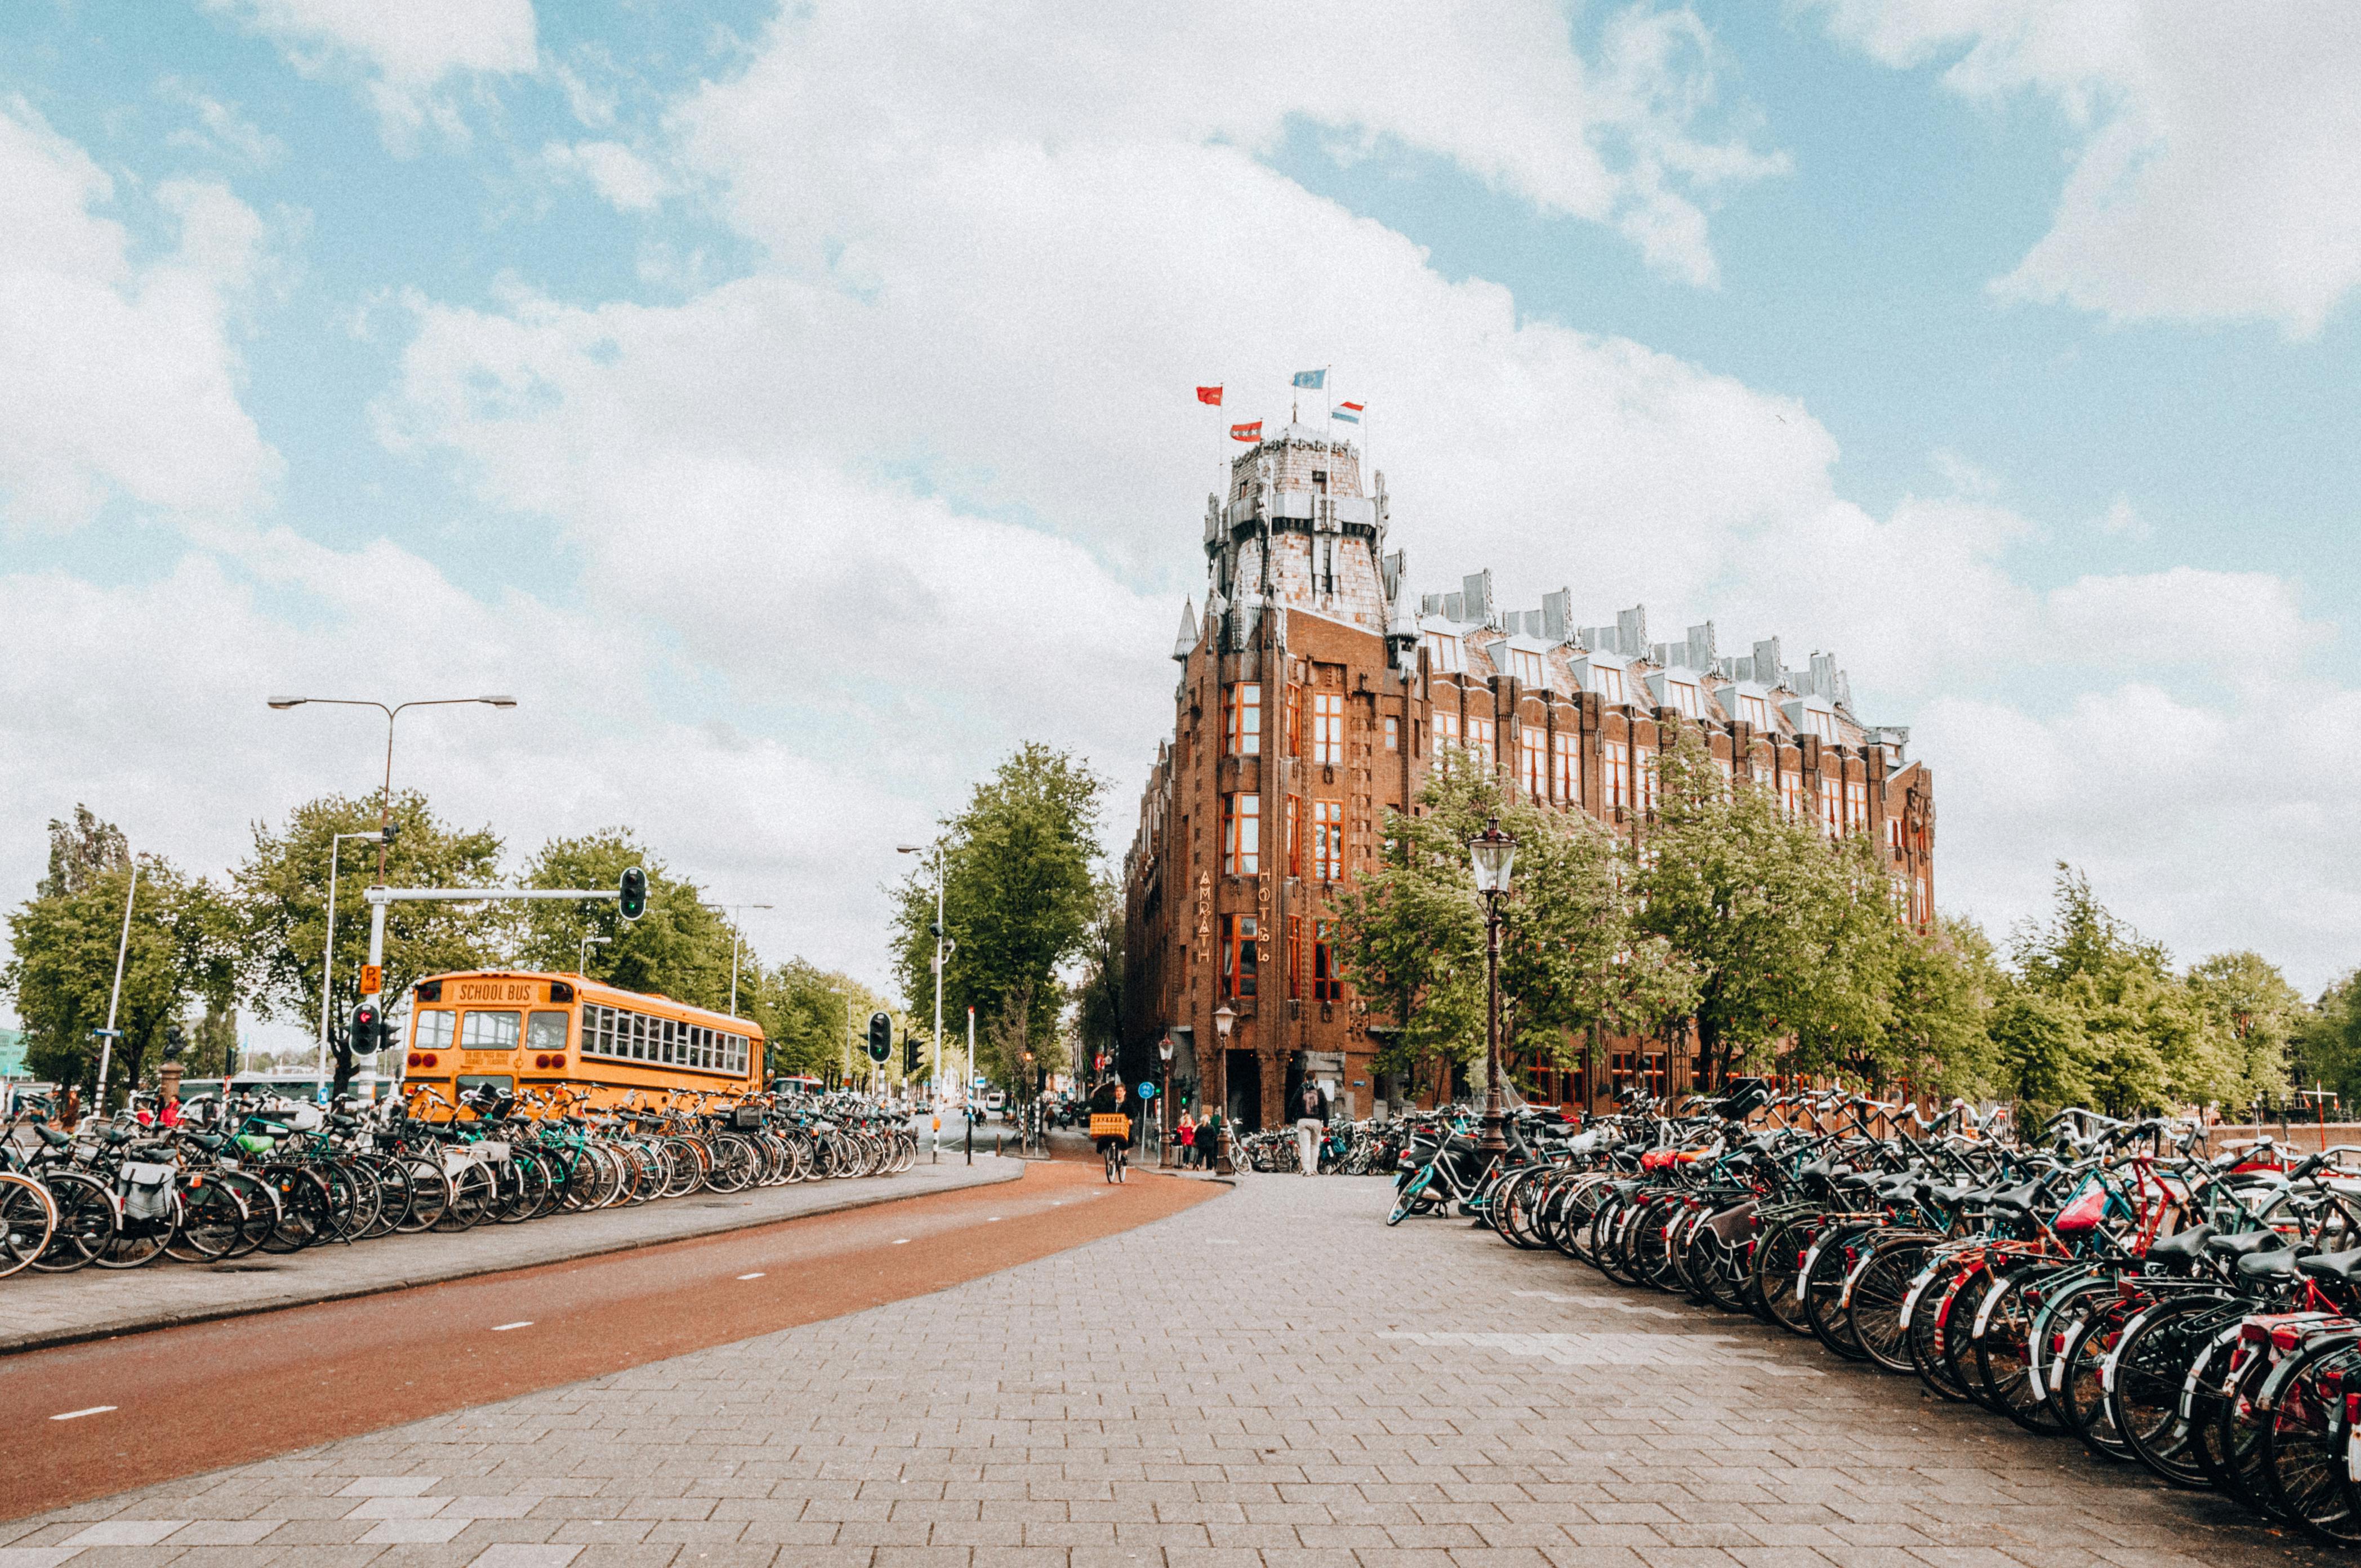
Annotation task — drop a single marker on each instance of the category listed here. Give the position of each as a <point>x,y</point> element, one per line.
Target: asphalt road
<point>87,1420</point>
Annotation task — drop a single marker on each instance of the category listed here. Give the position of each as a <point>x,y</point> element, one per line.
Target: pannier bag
<point>746,1119</point>
<point>146,1189</point>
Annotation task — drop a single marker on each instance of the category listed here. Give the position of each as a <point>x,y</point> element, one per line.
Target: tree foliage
<point>1411,934</point>
<point>63,947</point>
<point>1018,895</point>
<point>1791,935</point>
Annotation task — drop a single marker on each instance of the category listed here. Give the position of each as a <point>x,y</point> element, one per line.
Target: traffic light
<point>910,1056</point>
<point>880,1037</point>
<point>368,1030</point>
<point>634,901</point>
<point>385,834</point>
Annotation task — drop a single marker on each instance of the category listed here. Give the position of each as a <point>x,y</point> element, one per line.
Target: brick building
<point>1314,695</point>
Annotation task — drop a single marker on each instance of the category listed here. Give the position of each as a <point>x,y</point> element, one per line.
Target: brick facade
<point>1313,696</point>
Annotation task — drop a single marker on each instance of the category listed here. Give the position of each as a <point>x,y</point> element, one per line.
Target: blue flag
<point>1315,380</point>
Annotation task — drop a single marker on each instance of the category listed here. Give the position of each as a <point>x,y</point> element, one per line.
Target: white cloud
<point>146,701</point>
<point>220,128</point>
<point>2215,177</point>
<point>622,178</point>
<point>1008,293</point>
<point>844,106</point>
<point>117,376</point>
<point>405,54</point>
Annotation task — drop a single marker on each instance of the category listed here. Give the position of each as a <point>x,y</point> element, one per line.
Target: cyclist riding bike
<point>1107,1103</point>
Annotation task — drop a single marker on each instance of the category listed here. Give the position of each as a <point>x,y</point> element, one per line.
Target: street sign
<point>1147,1090</point>
<point>372,978</point>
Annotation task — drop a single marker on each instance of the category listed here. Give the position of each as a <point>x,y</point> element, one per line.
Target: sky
<point>793,406</point>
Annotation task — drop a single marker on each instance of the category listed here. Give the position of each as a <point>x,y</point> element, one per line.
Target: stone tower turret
<point>1297,529</point>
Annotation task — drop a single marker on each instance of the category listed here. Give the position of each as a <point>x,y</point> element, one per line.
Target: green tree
<point>679,947</point>
<point>2038,1046</point>
<point>2147,1038</point>
<point>2250,1002</point>
<point>1792,936</point>
<point>1411,934</point>
<point>1018,898</point>
<point>65,942</point>
<point>1098,994</point>
<point>2327,1040</point>
<point>1937,1031</point>
<point>281,899</point>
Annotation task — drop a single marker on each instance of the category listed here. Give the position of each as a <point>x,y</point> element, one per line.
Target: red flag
<point>1210,395</point>
<point>1246,432</point>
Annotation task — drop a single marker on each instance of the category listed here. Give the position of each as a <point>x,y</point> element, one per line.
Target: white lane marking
<point>503,1327</point>
<point>902,1241</point>
<point>756,1275</point>
<point>994,1221</point>
<point>77,1415</point>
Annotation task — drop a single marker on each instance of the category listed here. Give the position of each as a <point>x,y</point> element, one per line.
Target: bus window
<point>489,1031</point>
<point>434,1030</point>
<point>546,1031</point>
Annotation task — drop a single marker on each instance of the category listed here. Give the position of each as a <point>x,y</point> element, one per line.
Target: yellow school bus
<point>514,1032</point>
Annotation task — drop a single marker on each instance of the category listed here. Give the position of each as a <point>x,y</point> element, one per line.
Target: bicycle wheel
<point>2003,1362</point>
<point>28,1218</point>
<point>1832,1261</point>
<point>1874,1297</point>
<point>136,1244</point>
<point>1778,1268</point>
<point>2302,1423</point>
<point>85,1221</point>
<point>430,1194</point>
<point>213,1217</point>
<point>473,1194</point>
<point>2153,1362</point>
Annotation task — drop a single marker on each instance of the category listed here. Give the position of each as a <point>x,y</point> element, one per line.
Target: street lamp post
<point>1225,1018</point>
<point>1493,854</point>
<point>941,956</point>
<point>385,801</point>
<point>328,953</point>
<point>1164,1099</point>
<point>582,963</point>
<point>736,936</point>
<point>108,1035</point>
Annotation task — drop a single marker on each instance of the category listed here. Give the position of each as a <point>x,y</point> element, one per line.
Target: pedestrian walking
<point>1186,1134</point>
<point>1311,1125</point>
<point>1209,1138</point>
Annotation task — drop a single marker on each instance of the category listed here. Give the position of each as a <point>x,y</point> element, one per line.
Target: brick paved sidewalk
<point>56,1309</point>
<point>1273,1377</point>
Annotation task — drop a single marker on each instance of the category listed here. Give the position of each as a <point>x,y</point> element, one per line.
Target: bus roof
<point>585,990</point>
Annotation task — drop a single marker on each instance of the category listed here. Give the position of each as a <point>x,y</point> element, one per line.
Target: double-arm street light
<point>1493,854</point>
<point>736,939</point>
<point>385,808</point>
<point>385,804</point>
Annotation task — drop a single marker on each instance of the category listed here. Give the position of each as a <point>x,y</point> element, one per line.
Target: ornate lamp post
<point>1164,1098</point>
<point>1492,853</point>
<point>1225,1018</point>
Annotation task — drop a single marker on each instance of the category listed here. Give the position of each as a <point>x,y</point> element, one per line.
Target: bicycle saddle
<point>2337,1265</point>
<point>2280,1265</point>
<point>2244,1244</point>
<point>2181,1247</point>
<point>2018,1198</point>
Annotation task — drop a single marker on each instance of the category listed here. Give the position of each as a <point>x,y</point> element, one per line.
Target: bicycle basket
<point>746,1119</point>
<point>1108,1126</point>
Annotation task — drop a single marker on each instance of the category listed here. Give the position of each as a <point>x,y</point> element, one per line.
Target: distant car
<point>996,1103</point>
